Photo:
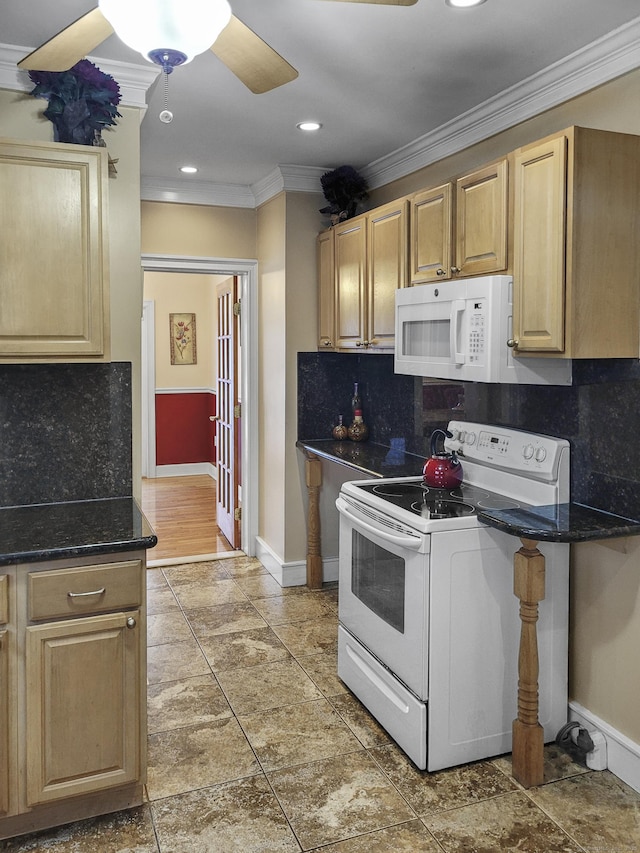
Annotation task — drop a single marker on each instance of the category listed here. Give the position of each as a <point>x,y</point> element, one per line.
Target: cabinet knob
<point>366,344</point>
<point>512,343</point>
<point>455,270</point>
<point>358,343</point>
<point>131,622</point>
<point>327,343</point>
<point>440,271</point>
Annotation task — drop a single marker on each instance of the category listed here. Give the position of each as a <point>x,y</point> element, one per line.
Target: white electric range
<point>429,627</point>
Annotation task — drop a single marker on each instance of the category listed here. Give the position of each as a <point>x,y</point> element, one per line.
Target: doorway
<point>246,271</point>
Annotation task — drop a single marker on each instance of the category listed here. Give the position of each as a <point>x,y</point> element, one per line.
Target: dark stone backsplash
<point>599,414</point>
<point>65,432</point>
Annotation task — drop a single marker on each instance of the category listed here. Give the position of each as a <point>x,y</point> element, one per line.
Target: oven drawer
<point>393,706</point>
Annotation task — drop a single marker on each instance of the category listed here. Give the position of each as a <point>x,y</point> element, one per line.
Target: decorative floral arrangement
<point>82,101</point>
<point>343,188</point>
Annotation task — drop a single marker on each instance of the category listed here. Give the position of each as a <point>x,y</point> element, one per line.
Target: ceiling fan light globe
<point>188,26</point>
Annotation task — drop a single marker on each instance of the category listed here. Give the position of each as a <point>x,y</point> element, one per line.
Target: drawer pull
<point>85,594</point>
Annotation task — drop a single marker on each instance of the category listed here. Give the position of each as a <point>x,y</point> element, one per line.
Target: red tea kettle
<point>442,470</point>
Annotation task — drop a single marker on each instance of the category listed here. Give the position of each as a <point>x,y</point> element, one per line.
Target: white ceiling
<point>377,77</point>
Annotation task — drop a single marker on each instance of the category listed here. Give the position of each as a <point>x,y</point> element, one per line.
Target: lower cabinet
<point>78,700</point>
<point>6,582</point>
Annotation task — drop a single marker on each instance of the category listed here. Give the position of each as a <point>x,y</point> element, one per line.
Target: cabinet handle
<point>440,271</point>
<point>131,622</point>
<point>455,270</point>
<point>85,594</point>
<point>512,343</point>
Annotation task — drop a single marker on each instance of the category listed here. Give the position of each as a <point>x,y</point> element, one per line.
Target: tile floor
<point>255,746</point>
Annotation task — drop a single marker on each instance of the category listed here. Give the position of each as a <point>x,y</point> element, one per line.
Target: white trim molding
<point>247,271</point>
<point>623,755</point>
<point>134,80</point>
<point>286,574</point>
<point>186,469</point>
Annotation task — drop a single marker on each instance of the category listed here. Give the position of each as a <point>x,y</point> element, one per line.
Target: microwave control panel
<point>477,331</point>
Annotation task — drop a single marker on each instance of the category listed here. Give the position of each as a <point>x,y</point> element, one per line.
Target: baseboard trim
<point>186,469</point>
<point>287,574</point>
<point>623,755</point>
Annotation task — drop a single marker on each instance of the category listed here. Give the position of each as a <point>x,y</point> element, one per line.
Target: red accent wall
<point>184,432</point>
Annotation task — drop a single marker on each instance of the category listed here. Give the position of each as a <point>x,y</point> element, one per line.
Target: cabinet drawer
<point>4,599</point>
<point>86,589</point>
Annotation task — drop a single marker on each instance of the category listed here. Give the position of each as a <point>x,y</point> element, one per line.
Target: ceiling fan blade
<point>251,59</point>
<point>384,2</point>
<point>70,45</point>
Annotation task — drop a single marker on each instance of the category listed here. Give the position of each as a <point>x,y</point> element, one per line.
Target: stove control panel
<point>509,449</point>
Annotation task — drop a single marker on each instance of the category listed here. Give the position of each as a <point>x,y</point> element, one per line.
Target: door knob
<point>214,418</point>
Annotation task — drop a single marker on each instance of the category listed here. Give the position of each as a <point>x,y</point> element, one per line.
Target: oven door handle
<point>408,541</point>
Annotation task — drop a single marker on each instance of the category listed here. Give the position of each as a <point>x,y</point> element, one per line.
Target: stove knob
<point>462,436</point>
<point>455,433</point>
<point>471,438</point>
<point>541,454</point>
<point>528,451</point>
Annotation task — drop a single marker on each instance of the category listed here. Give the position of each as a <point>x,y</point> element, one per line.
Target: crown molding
<point>296,179</point>
<point>603,60</point>
<point>133,80</point>
<point>611,56</point>
<point>188,192</point>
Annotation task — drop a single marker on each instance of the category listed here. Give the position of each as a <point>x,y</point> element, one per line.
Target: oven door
<point>383,588</point>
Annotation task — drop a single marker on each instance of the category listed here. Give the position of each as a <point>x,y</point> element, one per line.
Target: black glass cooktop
<point>438,503</point>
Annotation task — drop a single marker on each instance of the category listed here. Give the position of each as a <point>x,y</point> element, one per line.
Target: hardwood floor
<point>182,511</point>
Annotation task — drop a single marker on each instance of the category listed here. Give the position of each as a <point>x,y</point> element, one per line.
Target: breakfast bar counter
<point>566,522</point>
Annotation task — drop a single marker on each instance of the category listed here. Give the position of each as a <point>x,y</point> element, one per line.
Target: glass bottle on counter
<point>358,431</point>
<point>356,401</point>
<point>340,431</point>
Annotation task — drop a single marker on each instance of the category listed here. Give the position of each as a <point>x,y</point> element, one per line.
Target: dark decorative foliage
<point>343,188</point>
<point>82,100</point>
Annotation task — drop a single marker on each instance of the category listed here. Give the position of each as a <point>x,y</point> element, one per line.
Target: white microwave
<point>459,330</point>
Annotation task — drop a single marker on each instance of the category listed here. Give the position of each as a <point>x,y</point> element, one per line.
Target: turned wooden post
<point>528,734</point>
<point>313,473</point>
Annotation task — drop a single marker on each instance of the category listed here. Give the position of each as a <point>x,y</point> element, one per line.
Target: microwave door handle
<point>412,542</point>
<point>457,310</point>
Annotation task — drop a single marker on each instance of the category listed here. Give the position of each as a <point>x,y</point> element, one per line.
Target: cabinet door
<point>53,252</point>
<point>481,220</point>
<point>83,705</point>
<point>539,246</point>
<point>350,309</point>
<point>431,234</point>
<point>326,290</point>
<point>4,721</point>
<point>386,271</point>
<point>8,699</point>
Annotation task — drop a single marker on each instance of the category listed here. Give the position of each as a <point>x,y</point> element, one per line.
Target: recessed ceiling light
<point>188,170</point>
<point>463,4</point>
<point>309,125</point>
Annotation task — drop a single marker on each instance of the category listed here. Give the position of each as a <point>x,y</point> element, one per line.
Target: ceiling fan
<point>140,24</point>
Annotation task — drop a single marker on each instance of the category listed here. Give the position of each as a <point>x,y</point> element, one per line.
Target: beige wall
<point>175,292</point>
<point>198,231</point>
<point>21,118</point>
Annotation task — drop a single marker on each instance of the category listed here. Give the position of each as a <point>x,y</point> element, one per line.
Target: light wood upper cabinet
<point>460,229</point>
<point>326,290</point>
<point>53,252</point>
<point>576,247</point>
<point>386,270</point>
<point>350,258</point>
<point>370,265</point>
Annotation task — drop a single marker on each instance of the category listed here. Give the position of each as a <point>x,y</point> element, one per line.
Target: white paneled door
<point>228,416</point>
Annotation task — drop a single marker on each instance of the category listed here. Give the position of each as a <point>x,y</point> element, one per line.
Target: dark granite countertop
<point>72,529</point>
<point>568,522</point>
<point>377,460</point>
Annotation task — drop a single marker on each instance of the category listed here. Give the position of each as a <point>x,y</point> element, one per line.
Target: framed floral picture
<point>182,332</point>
